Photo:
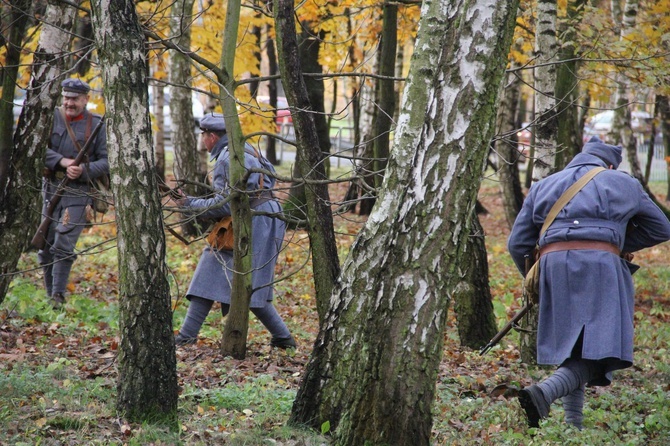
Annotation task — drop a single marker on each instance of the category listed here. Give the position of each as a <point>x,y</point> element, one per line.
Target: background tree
<point>384,328</point>
<point>310,158</point>
<point>147,384</point>
<point>184,141</point>
<point>22,156</point>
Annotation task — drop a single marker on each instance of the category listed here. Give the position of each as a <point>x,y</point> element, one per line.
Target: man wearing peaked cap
<point>71,88</point>
<point>72,126</point>
<point>211,282</point>
<point>586,299</point>
<point>213,122</point>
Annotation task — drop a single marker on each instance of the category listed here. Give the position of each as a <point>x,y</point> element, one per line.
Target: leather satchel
<point>221,235</point>
<point>531,283</point>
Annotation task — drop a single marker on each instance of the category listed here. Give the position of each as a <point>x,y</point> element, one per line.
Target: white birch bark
<point>18,216</point>
<point>546,54</point>
<point>372,372</point>
<point>147,383</point>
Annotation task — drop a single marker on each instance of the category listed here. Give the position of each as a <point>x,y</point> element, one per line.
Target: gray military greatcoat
<point>588,292</point>
<point>213,275</point>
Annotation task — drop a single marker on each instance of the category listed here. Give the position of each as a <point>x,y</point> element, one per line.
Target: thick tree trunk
<point>375,361</point>
<point>472,295</point>
<point>311,157</point>
<point>184,141</point>
<point>23,157</point>
<point>147,384</point>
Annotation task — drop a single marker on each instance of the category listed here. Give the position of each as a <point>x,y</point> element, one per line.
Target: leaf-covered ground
<point>58,370</point>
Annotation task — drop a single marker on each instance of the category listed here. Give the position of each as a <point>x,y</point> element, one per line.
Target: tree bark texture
<point>234,341</point>
<point>147,384</point>
<point>385,89</point>
<point>15,15</point>
<point>374,365</point>
<point>568,134</point>
<point>507,149</point>
<point>472,295</point>
<point>270,51</point>
<point>546,128</point>
<point>184,140</point>
<point>310,158</point>
<point>546,50</point>
<point>21,180</point>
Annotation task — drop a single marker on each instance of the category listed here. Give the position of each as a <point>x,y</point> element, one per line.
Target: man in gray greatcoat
<point>214,274</point>
<point>70,215</point>
<point>586,287</point>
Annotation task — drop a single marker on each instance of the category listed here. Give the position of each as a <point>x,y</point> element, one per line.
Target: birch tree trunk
<point>372,372</point>
<point>622,129</point>
<point>147,384</point>
<point>546,56</point>
<point>546,130</point>
<point>568,134</point>
<point>309,159</point>
<point>21,182</point>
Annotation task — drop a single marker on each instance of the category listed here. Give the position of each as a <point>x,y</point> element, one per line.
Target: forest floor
<point>58,369</point>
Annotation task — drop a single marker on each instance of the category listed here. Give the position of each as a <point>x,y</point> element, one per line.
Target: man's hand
<point>72,172</point>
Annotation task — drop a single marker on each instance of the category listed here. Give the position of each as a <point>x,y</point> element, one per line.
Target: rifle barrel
<point>40,238</point>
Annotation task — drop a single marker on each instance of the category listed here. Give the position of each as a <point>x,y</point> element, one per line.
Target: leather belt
<point>580,245</point>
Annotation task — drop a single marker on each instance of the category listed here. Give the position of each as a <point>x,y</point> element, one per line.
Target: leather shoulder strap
<point>568,195</point>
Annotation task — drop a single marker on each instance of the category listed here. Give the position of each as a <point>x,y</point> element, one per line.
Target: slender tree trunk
<point>568,136</point>
<point>310,159</point>
<point>308,47</point>
<point>15,21</point>
<point>472,295</point>
<point>622,129</point>
<point>664,113</point>
<point>21,182</point>
<point>158,108</point>
<point>507,149</point>
<point>385,89</point>
<point>184,140</point>
<point>147,385</point>
<point>271,148</point>
<point>234,341</point>
<point>375,361</point>
<point>545,130</point>
<point>546,50</point>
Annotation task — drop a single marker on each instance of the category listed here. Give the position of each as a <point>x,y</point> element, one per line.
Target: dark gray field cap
<point>71,88</point>
<point>213,122</point>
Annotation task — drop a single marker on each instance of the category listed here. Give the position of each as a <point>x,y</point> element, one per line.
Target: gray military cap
<point>213,122</point>
<point>71,88</point>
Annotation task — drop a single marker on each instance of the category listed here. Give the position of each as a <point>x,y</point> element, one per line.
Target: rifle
<point>513,322</point>
<point>39,240</point>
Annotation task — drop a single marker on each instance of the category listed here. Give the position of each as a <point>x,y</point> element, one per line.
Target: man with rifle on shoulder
<point>76,155</point>
<point>586,294</point>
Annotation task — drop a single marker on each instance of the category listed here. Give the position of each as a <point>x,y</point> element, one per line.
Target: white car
<point>601,124</point>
